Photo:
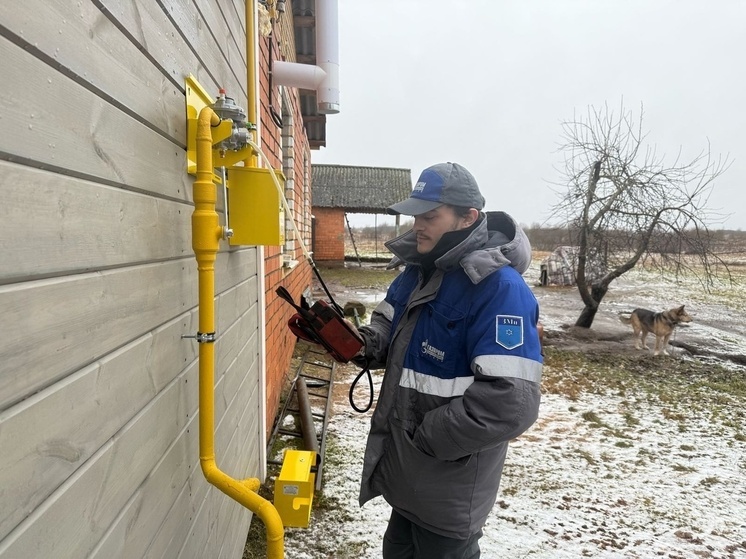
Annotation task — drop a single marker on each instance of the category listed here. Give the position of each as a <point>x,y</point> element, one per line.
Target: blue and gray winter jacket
<point>463,366</point>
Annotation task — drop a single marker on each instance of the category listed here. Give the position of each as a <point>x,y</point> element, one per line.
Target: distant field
<point>366,248</point>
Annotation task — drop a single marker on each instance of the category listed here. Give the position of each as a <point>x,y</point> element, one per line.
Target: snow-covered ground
<point>608,474</point>
<point>570,488</point>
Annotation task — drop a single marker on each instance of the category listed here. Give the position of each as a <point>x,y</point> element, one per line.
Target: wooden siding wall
<point>98,284</point>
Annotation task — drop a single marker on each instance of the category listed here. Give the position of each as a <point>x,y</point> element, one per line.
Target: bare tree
<point>626,205</point>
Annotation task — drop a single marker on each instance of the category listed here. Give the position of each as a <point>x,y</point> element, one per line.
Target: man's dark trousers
<point>406,540</point>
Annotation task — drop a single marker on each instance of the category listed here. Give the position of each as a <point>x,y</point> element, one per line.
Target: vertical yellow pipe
<point>251,88</point>
<point>206,233</point>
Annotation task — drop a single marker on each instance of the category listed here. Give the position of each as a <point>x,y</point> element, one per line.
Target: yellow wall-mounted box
<point>254,206</point>
<point>294,488</point>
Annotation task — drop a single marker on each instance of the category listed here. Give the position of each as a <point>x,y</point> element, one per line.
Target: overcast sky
<point>487,83</point>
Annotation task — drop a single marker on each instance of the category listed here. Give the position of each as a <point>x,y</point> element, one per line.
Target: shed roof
<point>359,189</point>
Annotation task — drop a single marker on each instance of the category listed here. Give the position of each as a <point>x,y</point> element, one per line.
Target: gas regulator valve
<point>226,108</point>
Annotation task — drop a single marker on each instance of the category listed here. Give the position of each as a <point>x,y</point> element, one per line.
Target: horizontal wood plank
<point>154,31</point>
<point>43,447</point>
<point>79,319</point>
<point>149,515</point>
<point>235,22</point>
<point>86,138</point>
<point>244,411</point>
<point>171,533</point>
<point>155,500</point>
<point>247,433</point>
<point>239,9</point>
<point>206,31</point>
<point>75,517</point>
<point>112,64</point>
<point>184,530</point>
<point>53,225</point>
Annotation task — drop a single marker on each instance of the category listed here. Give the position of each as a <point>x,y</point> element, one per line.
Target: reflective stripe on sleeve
<point>507,366</point>
<point>426,384</point>
<point>385,309</point>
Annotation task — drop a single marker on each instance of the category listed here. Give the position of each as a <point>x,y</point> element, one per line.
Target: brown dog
<point>660,324</point>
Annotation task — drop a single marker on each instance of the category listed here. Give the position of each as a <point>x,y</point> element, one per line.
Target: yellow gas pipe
<point>206,234</point>
<point>251,70</point>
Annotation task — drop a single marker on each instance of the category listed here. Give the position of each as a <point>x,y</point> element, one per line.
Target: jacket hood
<point>497,241</point>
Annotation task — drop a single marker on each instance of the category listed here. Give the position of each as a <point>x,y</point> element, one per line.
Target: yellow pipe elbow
<point>206,233</point>
<point>244,492</point>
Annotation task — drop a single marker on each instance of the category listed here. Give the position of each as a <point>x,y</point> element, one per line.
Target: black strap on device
<point>326,289</point>
<point>300,328</point>
<point>365,370</point>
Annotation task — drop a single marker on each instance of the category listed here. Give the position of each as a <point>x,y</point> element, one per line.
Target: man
<point>457,333</point>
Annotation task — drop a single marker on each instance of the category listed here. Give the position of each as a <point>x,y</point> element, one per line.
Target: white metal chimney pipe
<point>327,55</point>
<point>324,77</point>
<point>291,74</point>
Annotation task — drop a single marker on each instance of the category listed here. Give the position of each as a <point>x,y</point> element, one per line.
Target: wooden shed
<point>342,189</point>
<point>99,405</point>
<point>560,267</point>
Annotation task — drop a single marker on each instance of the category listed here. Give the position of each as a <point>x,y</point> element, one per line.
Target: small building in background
<point>561,266</point>
<point>342,189</point>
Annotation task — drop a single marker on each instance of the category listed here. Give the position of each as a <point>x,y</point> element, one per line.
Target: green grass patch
<point>677,387</point>
<point>592,418</point>
<point>362,278</point>
<point>631,420</point>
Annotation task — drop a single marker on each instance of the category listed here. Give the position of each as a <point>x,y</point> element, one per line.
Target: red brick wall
<point>280,343</point>
<point>329,234</point>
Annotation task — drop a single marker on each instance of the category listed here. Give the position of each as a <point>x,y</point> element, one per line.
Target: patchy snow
<point>570,488</point>
<point>606,475</point>
<point>570,491</point>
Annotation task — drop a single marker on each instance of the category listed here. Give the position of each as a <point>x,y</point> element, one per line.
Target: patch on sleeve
<point>509,331</point>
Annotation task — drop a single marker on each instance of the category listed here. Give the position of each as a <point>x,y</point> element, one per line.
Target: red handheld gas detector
<point>324,325</point>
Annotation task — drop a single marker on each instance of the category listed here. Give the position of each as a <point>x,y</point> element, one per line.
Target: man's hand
<point>360,353</point>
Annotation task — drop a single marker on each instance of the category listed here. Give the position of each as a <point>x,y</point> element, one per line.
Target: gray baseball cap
<point>444,183</point>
